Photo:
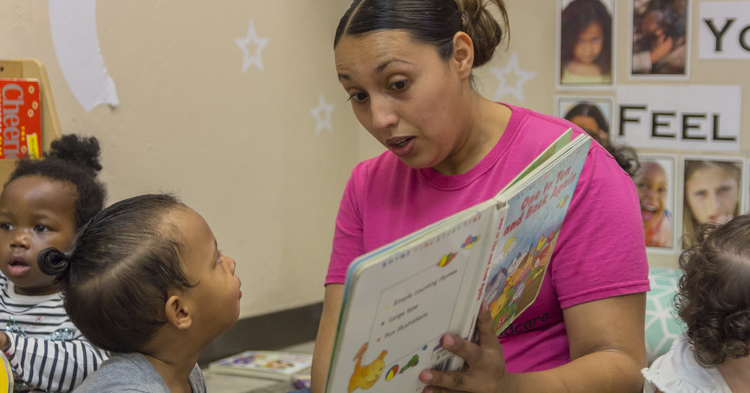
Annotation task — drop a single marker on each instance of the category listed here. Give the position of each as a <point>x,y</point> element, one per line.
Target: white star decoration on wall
<point>245,44</point>
<point>517,78</point>
<point>322,115</point>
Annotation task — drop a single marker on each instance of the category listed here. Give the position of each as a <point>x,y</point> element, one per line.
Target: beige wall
<point>241,148</point>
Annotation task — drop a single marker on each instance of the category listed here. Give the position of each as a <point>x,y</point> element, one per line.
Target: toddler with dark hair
<point>714,302</point>
<point>43,205</point>
<point>145,280</point>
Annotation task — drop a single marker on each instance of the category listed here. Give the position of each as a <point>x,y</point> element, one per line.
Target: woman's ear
<point>178,313</point>
<point>463,54</point>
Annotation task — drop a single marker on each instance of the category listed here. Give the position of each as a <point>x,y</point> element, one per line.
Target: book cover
<point>21,125</point>
<point>264,364</point>
<point>400,299</point>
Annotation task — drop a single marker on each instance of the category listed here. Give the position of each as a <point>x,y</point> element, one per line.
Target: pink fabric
<point>600,253</point>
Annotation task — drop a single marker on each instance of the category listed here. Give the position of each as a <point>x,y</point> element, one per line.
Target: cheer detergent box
<point>21,114</point>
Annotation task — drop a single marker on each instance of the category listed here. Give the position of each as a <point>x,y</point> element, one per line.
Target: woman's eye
<point>358,97</point>
<point>400,85</point>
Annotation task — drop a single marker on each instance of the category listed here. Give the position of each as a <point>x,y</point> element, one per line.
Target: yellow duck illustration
<point>366,376</point>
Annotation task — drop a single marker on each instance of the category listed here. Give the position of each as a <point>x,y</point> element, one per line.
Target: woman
<point>407,68</point>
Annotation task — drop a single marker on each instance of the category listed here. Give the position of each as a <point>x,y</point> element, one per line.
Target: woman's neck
<point>486,123</point>
<point>736,373</point>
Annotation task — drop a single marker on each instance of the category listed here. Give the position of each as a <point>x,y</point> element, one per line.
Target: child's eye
<point>41,228</point>
<point>358,97</point>
<point>6,226</point>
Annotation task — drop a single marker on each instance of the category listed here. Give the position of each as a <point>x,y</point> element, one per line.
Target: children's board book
<point>21,118</point>
<point>400,299</point>
<point>264,364</point>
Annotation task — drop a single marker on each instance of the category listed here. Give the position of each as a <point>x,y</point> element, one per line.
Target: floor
<point>218,383</point>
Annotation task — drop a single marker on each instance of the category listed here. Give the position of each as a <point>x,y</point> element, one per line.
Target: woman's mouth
<point>400,146</point>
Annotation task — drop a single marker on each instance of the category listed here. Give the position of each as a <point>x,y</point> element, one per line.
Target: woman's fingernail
<point>448,341</point>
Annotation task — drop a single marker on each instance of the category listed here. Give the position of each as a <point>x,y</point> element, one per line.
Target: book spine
<point>499,214</point>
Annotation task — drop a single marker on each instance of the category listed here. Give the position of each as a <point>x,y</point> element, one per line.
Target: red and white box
<point>21,115</point>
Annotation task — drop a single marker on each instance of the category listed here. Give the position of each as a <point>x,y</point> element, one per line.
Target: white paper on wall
<point>73,27</point>
<point>724,30</point>
<point>703,117</point>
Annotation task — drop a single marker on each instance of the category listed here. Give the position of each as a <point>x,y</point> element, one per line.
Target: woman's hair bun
<point>79,150</point>
<point>54,262</point>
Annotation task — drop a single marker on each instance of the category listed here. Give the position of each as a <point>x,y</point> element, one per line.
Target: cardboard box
<point>21,125</point>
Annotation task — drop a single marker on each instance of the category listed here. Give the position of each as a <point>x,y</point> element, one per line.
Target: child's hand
<point>4,342</point>
<point>485,364</point>
<point>662,46</point>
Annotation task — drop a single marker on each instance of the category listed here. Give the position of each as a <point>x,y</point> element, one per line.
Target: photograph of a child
<point>591,114</point>
<point>655,185</point>
<point>711,194</point>
<point>659,37</point>
<point>586,42</point>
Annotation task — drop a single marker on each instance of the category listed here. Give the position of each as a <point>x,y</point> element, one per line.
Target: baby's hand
<point>4,342</point>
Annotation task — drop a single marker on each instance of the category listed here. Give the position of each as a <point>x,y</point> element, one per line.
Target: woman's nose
<point>383,116</point>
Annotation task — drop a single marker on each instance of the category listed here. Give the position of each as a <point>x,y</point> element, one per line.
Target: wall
<point>242,147</point>
<point>239,147</point>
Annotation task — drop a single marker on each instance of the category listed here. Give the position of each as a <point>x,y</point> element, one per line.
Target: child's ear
<point>463,53</point>
<point>177,312</point>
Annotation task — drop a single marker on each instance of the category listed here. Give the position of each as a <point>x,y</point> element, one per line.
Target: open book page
<point>556,146</point>
<point>405,301</point>
<point>403,297</point>
<point>536,210</point>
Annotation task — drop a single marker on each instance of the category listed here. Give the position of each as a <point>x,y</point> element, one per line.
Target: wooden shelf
<point>32,68</point>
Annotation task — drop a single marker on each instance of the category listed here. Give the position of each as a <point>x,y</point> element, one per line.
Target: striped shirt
<point>46,350</point>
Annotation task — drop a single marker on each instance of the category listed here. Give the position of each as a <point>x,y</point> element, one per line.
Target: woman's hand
<point>485,364</point>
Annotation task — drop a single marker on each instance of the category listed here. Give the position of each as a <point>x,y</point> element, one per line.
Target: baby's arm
<point>51,365</point>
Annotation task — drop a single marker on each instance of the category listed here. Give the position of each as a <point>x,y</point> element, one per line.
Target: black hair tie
<point>54,262</point>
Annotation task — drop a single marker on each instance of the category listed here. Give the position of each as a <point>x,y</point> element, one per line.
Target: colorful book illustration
<point>401,298</point>
<point>264,364</point>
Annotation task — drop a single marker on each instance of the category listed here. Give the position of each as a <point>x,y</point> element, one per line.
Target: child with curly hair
<point>714,302</point>
<point>43,205</point>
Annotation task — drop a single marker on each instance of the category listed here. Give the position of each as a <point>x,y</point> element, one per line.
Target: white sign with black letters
<point>724,30</point>
<point>703,117</point>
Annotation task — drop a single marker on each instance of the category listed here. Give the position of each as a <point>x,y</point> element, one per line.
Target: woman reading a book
<point>407,68</point>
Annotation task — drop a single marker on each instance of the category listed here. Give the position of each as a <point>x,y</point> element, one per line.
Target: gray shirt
<point>132,372</point>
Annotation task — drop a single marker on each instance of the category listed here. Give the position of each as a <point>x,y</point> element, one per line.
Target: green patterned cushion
<point>662,323</point>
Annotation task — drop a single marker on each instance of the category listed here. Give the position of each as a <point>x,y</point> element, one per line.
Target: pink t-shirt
<point>600,252</point>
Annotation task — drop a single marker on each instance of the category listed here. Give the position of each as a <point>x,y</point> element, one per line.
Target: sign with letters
<point>724,30</point>
<point>702,117</point>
